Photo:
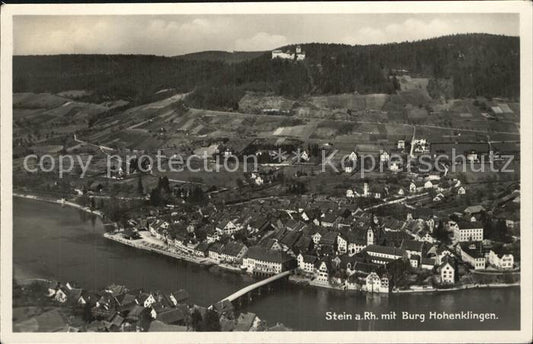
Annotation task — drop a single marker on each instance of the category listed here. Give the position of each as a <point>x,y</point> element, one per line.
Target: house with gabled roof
<point>352,242</point>
<point>328,220</point>
<point>500,260</point>
<point>324,269</point>
<point>179,296</point>
<point>246,322</point>
<point>376,284</point>
<point>395,237</point>
<point>233,252</point>
<point>307,262</point>
<point>173,316</point>
<point>289,240</point>
<point>472,253</point>
<point>317,234</point>
<point>424,235</point>
<point>414,247</point>
<point>446,272</point>
<point>215,252</point>
<point>427,263</point>
<point>228,225</point>
<point>328,241</point>
<point>304,244</point>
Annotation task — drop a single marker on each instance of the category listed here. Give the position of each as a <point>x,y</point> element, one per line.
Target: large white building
<point>501,261</point>
<point>384,254</point>
<point>447,273</point>
<point>262,260</point>
<point>466,230</point>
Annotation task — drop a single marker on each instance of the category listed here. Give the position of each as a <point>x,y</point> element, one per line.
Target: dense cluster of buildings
<point>117,309</point>
<point>330,241</point>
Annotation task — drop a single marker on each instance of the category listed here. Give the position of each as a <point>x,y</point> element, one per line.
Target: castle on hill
<point>297,55</point>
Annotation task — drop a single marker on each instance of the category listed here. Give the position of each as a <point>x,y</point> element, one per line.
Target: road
<point>102,148</point>
<point>399,200</point>
<point>413,140</point>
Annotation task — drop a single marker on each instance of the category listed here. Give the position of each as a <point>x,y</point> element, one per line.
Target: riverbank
<point>61,244</point>
<point>458,288</point>
<point>24,276</point>
<point>154,247</point>
<point>62,202</point>
<point>148,243</point>
<point>151,244</point>
<point>415,290</point>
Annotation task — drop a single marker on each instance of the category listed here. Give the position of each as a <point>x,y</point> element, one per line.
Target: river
<point>66,244</point>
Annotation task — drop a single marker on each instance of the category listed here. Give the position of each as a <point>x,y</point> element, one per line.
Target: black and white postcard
<point>266,172</point>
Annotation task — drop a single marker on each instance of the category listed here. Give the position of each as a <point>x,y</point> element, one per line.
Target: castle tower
<point>365,189</point>
<point>298,49</point>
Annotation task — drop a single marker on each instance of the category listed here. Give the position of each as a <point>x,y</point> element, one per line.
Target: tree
<point>114,210</point>
<point>201,234</point>
<point>155,197</point>
<point>196,320</point>
<point>441,234</point>
<point>500,231</point>
<point>140,187</point>
<point>211,321</point>
<point>198,195</point>
<point>398,270</point>
<point>164,184</point>
<point>395,83</point>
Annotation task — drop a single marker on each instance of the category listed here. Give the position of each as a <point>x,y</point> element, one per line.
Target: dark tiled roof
<point>427,261</point>
<point>291,238</point>
<point>473,249</point>
<point>260,253</point>
<point>469,224</point>
<point>171,316</point>
<point>355,236</point>
<point>233,248</point>
<point>329,238</point>
<point>385,250</point>
<point>245,322</point>
<point>202,247</point>
<point>365,267</point>
<point>413,245</point>
<point>303,243</point>
<point>217,248</point>
<point>181,295</point>
<point>309,258</point>
<point>396,237</point>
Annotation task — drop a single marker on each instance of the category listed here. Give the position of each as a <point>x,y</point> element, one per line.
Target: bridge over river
<point>254,286</point>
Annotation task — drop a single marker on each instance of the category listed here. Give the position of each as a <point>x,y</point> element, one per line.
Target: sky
<point>181,34</point>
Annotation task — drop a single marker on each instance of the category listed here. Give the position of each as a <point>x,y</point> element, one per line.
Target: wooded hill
<point>222,56</point>
<point>477,64</point>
